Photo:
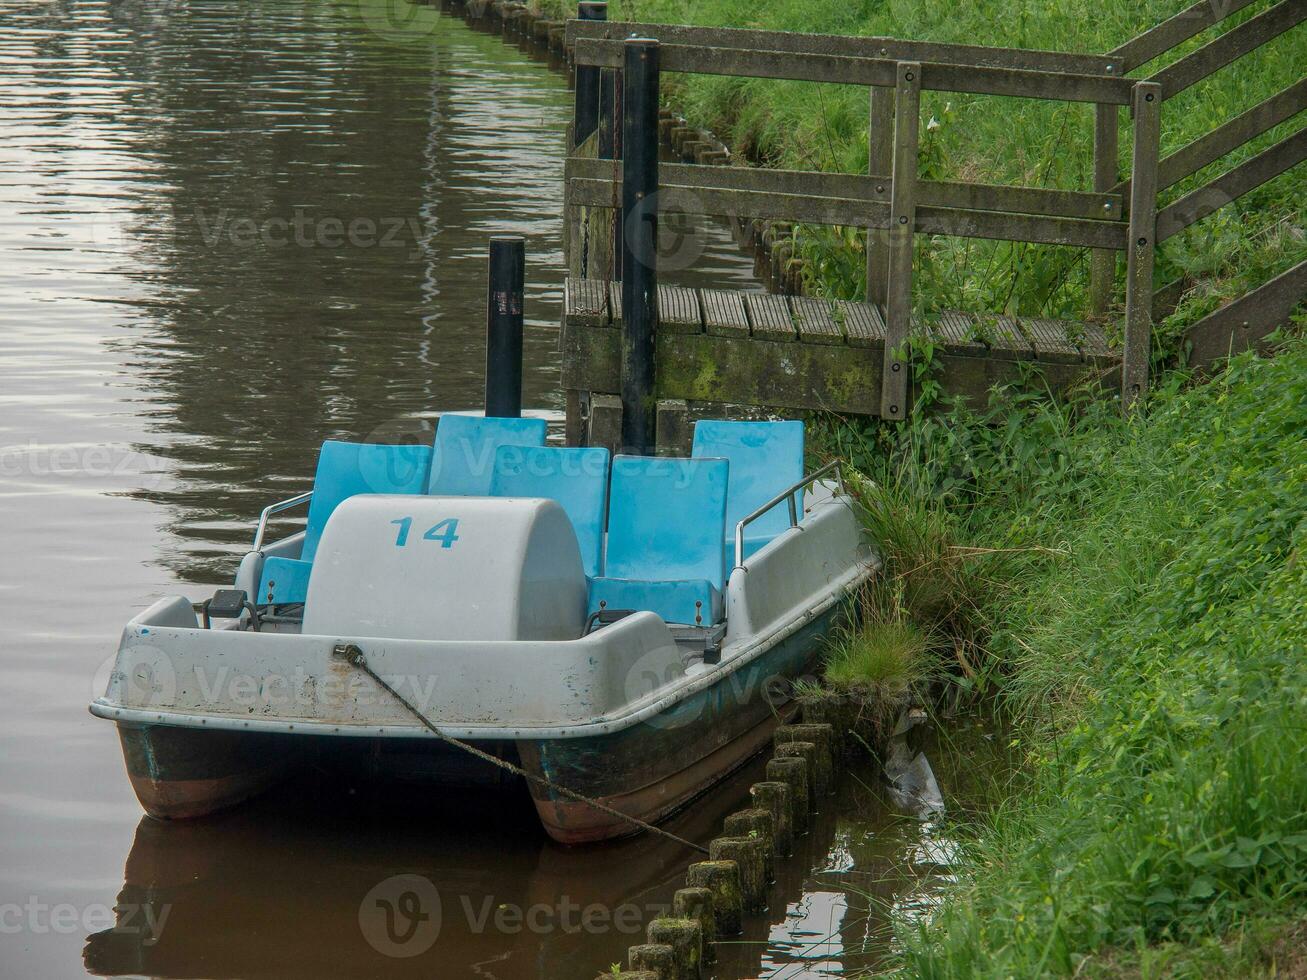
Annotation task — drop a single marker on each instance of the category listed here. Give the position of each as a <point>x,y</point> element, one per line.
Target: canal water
<point>228,231</point>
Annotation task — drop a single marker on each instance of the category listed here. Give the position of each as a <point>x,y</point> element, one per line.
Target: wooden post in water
<point>903,219</point>
<point>586,111</point>
<point>504,326</point>
<point>1141,244</point>
<point>639,243</point>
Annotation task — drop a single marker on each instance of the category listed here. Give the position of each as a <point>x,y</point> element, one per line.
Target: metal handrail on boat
<point>277,508</point>
<point>786,495</point>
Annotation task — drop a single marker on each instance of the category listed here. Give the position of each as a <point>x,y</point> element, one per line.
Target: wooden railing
<point>1120,214</point>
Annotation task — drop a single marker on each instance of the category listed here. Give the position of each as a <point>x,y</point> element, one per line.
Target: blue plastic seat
<point>576,478</point>
<point>666,521</point>
<point>344,469</point>
<point>765,457</point>
<point>465,451</point>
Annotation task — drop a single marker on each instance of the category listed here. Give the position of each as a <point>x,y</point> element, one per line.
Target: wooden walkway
<point>800,352</point>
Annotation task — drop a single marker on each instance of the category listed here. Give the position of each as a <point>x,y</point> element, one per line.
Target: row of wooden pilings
<point>733,882</point>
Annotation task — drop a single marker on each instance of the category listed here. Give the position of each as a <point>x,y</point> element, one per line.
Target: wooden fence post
<point>880,158</point>
<point>903,217</point>
<point>1141,244</point>
<point>639,243</point>
<point>585,116</point>
<point>1102,261</point>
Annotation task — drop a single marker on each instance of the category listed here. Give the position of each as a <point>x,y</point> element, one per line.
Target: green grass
<point>824,127</point>
<point>878,655</point>
<point>1143,600</point>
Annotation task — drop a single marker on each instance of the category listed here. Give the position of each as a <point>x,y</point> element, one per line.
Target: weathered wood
<point>958,331</point>
<point>864,326</point>
<point>697,904</point>
<point>1192,157</point>
<point>678,309</point>
<point>1232,184</point>
<point>1230,46</point>
<point>755,822</point>
<point>872,188</point>
<point>656,958</point>
<point>685,936</point>
<point>1005,337</point>
<point>774,797</point>
<point>903,213</point>
<point>894,49</point>
<point>769,317</point>
<point>585,302</point>
<point>1143,228</point>
<point>880,160</point>
<point>845,70</point>
<point>675,429</point>
<point>585,114</point>
<point>722,879</point>
<point>1188,23</point>
<point>816,321</point>
<point>818,210</point>
<point>723,313</point>
<point>1243,323</point>
<point>823,737</point>
<point>1049,338</point>
<point>794,773</point>
<point>750,856</point>
<point>1102,262</point>
<point>1092,342</point>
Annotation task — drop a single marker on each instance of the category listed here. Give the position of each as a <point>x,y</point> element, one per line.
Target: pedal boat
<point>480,611</point>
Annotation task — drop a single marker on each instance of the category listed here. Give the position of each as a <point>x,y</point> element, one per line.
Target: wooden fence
<point>1119,214</point>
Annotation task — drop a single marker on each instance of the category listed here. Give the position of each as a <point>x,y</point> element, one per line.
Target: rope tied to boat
<point>354,656</point>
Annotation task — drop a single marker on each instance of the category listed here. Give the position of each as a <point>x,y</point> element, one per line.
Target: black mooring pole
<point>585,116</point>
<point>639,242</point>
<point>504,327</point>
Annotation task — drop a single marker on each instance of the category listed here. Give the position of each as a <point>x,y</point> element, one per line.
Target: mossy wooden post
<point>685,936</point>
<point>793,772</point>
<point>585,115</point>
<point>775,796</point>
<point>1141,244</point>
<point>658,958</point>
<point>1102,261</point>
<point>722,879</point>
<point>903,219</point>
<point>750,855</point>
<point>697,904</point>
<point>880,158</point>
<point>807,751</point>
<point>823,737</point>
<point>639,243</point>
<point>757,823</point>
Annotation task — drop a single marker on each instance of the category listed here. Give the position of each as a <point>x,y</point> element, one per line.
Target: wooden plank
<point>1230,46</point>
<point>1049,338</point>
<point>1092,342</point>
<point>815,320</point>
<point>1188,23</point>
<point>957,332</point>
<point>1232,184</point>
<point>1140,256</point>
<point>1208,149</point>
<point>583,302</point>
<point>723,313</point>
<point>867,188</point>
<point>846,378</point>
<point>903,211</point>
<point>863,324</point>
<point>894,49</point>
<point>678,309</point>
<point>845,211</point>
<point>1242,324</point>
<point>844,70</point>
<point>769,316</point>
<point>1006,338</point>
<point>615,302</point>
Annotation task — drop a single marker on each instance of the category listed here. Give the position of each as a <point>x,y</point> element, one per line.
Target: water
<point>229,231</point>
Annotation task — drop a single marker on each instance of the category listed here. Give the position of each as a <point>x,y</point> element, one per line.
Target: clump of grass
<point>879,657</point>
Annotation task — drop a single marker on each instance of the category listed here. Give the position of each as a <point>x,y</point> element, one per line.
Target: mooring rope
<point>355,656</point>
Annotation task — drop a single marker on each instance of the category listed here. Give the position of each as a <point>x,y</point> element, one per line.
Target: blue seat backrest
<point>465,451</point>
<point>347,468</point>
<point>666,519</point>
<point>576,478</point>
<point>765,457</point>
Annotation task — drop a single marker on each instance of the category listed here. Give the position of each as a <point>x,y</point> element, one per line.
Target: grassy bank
<point>1142,595</point>
<point>808,126</point>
